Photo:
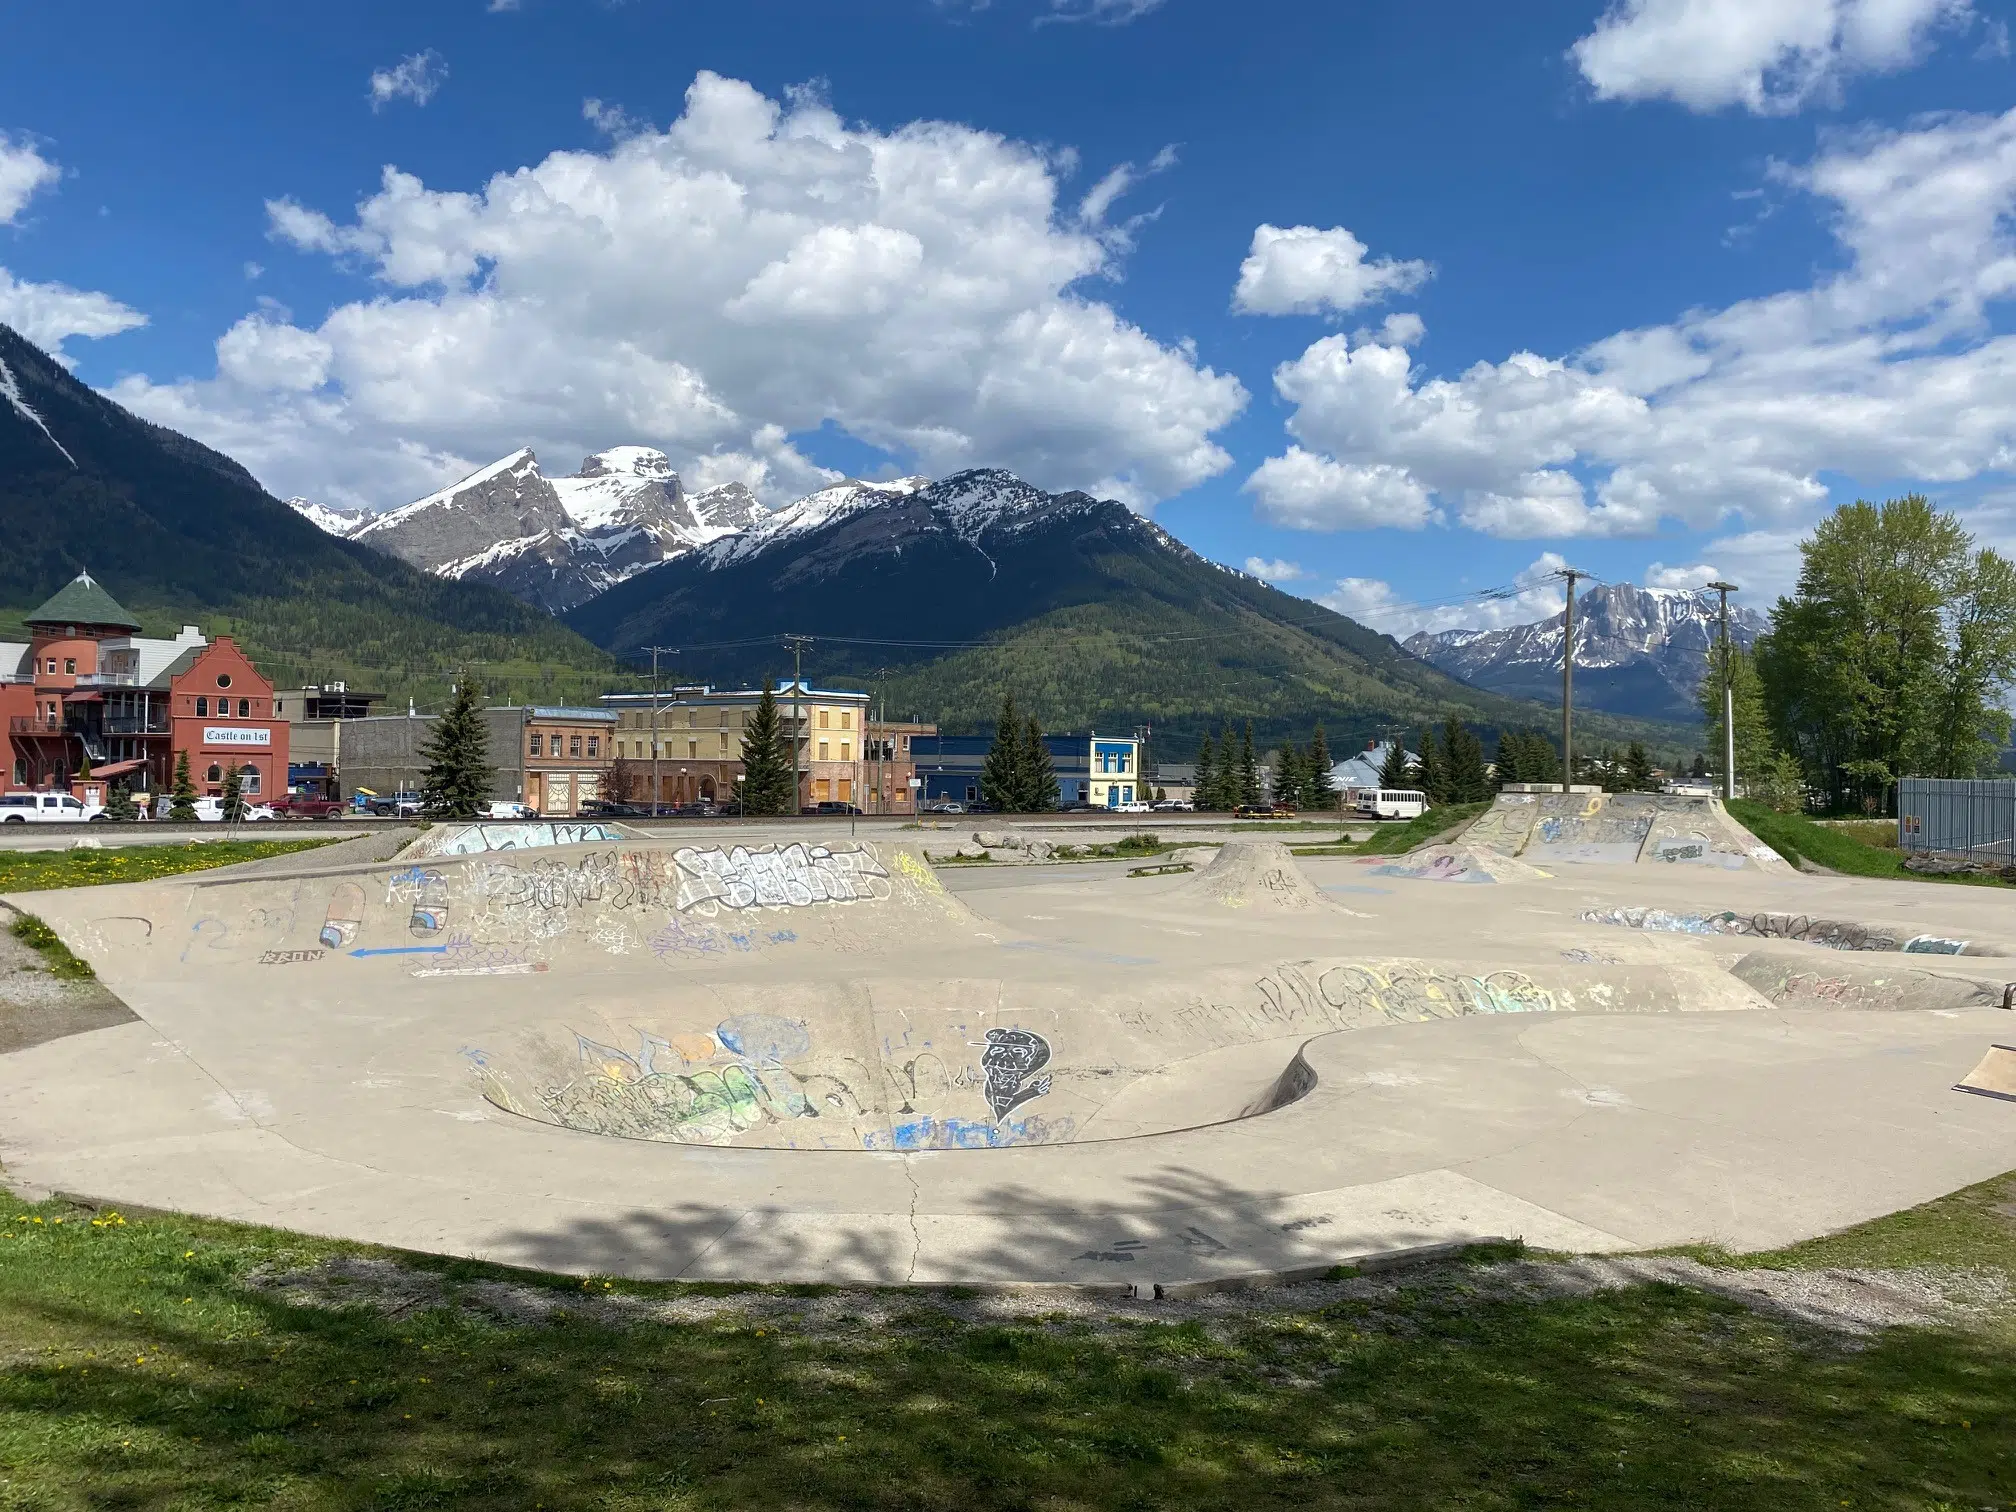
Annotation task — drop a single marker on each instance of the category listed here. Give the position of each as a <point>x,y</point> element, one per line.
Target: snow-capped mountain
<point>555,542</point>
<point>336,522</point>
<point>1639,651</point>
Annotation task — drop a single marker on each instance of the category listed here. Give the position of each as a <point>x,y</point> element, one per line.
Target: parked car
<point>400,805</point>
<point>1173,806</point>
<point>1081,808</point>
<point>830,808</point>
<point>942,806</point>
<point>609,808</point>
<point>48,808</point>
<point>302,806</point>
<point>505,808</point>
<point>211,811</point>
<point>1263,811</point>
<point>1133,808</point>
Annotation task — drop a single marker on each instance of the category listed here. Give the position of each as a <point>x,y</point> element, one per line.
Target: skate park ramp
<point>1617,829</point>
<point>473,839</point>
<point>1457,863</point>
<point>1994,1076</point>
<point>1252,874</point>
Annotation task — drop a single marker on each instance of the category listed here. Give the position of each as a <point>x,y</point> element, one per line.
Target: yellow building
<point>688,742</point>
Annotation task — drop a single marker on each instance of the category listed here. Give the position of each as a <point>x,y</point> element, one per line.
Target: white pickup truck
<point>47,808</point>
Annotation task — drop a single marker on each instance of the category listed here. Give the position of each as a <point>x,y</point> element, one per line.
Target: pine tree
<point>182,805</point>
<point>1638,769</point>
<point>1206,795</point>
<point>1038,772</point>
<point>769,785</point>
<point>1431,770</point>
<point>1286,788</point>
<point>1249,770</point>
<point>1322,792</point>
<point>1699,770</point>
<point>1464,777</point>
<point>1003,781</point>
<point>456,783</point>
<point>234,795</point>
<point>84,768</point>
<point>119,806</point>
<point>1510,760</point>
<point>1396,771</point>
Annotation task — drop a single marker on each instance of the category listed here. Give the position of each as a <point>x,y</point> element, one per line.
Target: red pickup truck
<point>300,806</point>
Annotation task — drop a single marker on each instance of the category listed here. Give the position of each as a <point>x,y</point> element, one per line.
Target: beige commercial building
<point>691,738</point>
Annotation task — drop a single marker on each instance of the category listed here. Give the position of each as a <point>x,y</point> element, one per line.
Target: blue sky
<point>1406,300</point>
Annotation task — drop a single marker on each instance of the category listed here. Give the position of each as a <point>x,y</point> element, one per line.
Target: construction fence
<point>1958,817</point>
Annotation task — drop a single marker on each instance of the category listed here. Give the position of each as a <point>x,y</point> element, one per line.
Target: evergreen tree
<point>1511,758</point>
<point>1286,789</point>
<point>1249,770</point>
<point>1003,781</point>
<point>456,782</point>
<point>1431,770</point>
<point>182,804</point>
<point>1207,773</point>
<point>1699,771</point>
<point>234,795</point>
<point>1396,771</point>
<point>1322,792</point>
<point>1638,776</point>
<point>1039,773</point>
<point>769,785</point>
<point>1464,779</point>
<point>1227,797</point>
<point>119,806</point>
<point>84,768</point>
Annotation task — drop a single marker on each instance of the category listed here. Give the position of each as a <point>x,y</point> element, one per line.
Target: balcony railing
<point>35,724</point>
<point>135,724</point>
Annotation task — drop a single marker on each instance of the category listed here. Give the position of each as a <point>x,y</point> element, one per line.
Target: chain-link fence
<point>1958,818</point>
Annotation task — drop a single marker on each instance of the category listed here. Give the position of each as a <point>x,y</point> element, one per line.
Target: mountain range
<point>1638,651</point>
<point>554,542</point>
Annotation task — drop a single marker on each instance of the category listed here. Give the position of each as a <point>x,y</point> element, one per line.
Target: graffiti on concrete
<point>475,839</point>
<point>1012,1056</point>
<point>345,915</point>
<point>916,871</point>
<point>425,891</point>
<point>928,1133</point>
<point>1441,866</point>
<point>1934,945</point>
<point>790,876</point>
<point>290,957</point>
<point>1834,934</point>
<point>464,957</point>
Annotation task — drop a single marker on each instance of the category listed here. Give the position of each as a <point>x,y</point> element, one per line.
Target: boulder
<point>994,840</point>
<point>971,851</point>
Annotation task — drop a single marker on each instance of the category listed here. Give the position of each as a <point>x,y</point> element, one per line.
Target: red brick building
<point>86,686</point>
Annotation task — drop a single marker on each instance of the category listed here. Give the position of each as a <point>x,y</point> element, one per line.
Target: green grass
<point>39,871</point>
<point>1394,839</point>
<point>1837,847</point>
<point>37,936</point>
<point>140,1367</point>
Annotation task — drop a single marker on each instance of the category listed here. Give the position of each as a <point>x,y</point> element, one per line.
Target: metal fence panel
<point>1954,816</point>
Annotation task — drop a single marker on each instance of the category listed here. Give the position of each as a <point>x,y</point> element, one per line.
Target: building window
<point>537,742</point>
<point>248,779</point>
<point>70,666</point>
<point>52,664</point>
<point>215,774</point>
<point>846,719</point>
<point>822,751</point>
<point>693,749</point>
<point>846,750</point>
<point>203,712</point>
<point>903,741</point>
<point>223,679</point>
<point>846,789</point>
<point>244,708</point>
<point>573,745</point>
<point>594,745</point>
<point>824,716</point>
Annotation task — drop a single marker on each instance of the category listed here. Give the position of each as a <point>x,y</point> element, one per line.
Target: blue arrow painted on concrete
<point>404,950</point>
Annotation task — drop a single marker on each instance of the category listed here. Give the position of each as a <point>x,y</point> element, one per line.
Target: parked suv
<point>47,808</point>
<point>829,808</point>
<point>403,805</point>
<point>301,806</point>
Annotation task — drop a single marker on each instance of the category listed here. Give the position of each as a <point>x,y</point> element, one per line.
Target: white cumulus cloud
<point>755,270</point>
<point>24,173</point>
<point>1765,56</point>
<point>417,77</point>
<point>1534,594</point>
<point>1889,369</point>
<point>1700,575</point>
<point>1276,571</point>
<point>1300,270</point>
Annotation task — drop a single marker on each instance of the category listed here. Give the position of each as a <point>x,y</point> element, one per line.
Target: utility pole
<point>796,644</point>
<point>1728,697</point>
<point>1569,575</point>
<point>656,651</point>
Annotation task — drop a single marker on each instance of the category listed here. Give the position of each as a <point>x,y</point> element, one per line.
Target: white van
<point>1392,803</point>
<point>47,808</point>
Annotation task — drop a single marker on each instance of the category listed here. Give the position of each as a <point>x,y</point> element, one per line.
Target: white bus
<point>1392,803</point>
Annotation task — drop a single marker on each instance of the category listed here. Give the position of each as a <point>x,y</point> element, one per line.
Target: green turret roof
<point>82,602</point>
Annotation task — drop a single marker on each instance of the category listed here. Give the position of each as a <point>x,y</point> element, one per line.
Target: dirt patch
<point>36,1006</point>
<point>1849,1304</point>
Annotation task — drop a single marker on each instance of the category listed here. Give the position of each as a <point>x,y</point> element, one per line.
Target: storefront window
<point>248,779</point>
<point>215,774</point>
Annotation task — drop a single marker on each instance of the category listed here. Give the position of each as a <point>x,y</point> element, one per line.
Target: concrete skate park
<point>1594,1024</point>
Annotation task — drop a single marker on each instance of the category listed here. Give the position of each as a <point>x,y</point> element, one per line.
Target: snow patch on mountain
<point>335,522</point>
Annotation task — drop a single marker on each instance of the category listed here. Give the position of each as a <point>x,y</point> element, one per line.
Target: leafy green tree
<point>1396,771</point>
<point>234,795</point>
<point>1781,783</point>
<point>1039,773</point>
<point>1320,792</point>
<point>1464,778</point>
<point>1206,793</point>
<point>458,775</point>
<point>182,797</point>
<point>119,805</point>
<point>1003,780</point>
<point>1754,746</point>
<point>769,784</point>
<point>1249,769</point>
<point>1638,776</point>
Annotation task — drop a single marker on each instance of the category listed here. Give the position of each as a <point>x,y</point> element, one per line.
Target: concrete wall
<point>382,753</point>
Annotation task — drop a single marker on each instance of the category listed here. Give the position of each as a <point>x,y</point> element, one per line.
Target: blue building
<point>1098,769</point>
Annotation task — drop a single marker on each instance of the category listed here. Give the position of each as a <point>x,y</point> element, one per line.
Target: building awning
<point>116,769</point>
<point>76,698</point>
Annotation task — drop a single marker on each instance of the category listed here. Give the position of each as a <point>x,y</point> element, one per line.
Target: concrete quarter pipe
<point>809,1061</point>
